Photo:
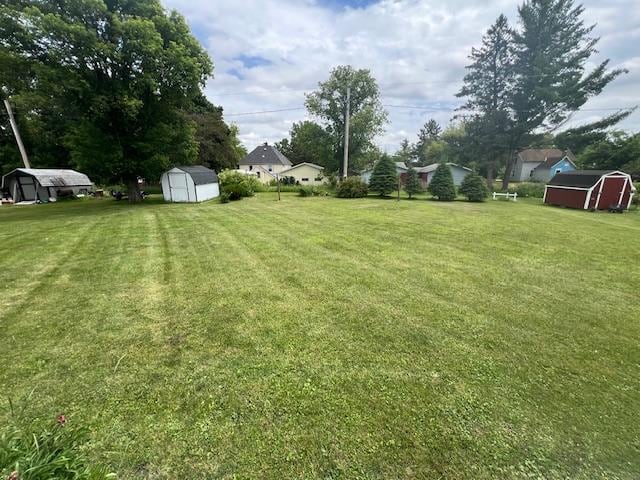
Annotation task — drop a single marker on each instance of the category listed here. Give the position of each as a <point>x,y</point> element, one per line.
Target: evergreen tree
<point>384,178</point>
<point>474,188</point>
<point>428,134</point>
<point>441,185</point>
<point>413,184</point>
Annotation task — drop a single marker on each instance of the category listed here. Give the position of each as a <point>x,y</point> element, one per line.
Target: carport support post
<point>16,133</point>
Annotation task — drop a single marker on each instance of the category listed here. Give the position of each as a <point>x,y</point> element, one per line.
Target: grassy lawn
<point>326,338</point>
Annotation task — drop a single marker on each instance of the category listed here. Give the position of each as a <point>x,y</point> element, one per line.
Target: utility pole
<point>16,133</point>
<point>345,165</point>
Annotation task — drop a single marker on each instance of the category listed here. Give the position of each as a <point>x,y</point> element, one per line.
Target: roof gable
<point>434,166</point>
<point>265,155</point>
<point>308,164</point>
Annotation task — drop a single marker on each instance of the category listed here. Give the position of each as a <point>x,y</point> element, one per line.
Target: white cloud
<point>416,49</point>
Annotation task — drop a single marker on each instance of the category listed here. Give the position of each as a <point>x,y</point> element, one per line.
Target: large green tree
<point>544,77</point>
<point>309,142</point>
<point>441,185</point>
<point>219,147</point>
<point>367,117</point>
<point>428,134</point>
<point>619,151</point>
<point>112,79</point>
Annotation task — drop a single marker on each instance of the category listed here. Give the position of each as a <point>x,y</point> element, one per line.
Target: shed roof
<point>52,177</point>
<point>266,155</point>
<point>200,174</point>
<point>579,178</point>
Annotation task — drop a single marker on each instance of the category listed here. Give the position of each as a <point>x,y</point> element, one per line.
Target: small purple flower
<point>61,419</point>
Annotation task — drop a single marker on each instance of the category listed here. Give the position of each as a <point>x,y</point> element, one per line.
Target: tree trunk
<point>490,178</point>
<point>507,173</point>
<point>133,191</point>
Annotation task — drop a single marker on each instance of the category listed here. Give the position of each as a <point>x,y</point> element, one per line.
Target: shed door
<point>178,187</point>
<point>611,192</point>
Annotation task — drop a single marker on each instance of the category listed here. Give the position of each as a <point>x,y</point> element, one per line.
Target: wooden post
<point>16,133</point>
<point>278,182</point>
<point>399,186</point>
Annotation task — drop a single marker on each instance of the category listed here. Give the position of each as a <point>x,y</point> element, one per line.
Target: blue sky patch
<point>252,61</point>
<point>341,4</point>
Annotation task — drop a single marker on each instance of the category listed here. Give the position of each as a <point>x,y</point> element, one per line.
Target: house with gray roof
<point>541,164</point>
<point>265,161</point>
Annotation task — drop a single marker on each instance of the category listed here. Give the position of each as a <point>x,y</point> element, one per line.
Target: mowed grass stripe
<point>315,338</point>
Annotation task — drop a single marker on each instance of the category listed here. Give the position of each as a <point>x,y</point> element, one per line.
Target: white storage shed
<point>190,184</point>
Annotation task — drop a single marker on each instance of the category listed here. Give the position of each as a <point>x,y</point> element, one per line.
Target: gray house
<point>265,162</point>
<point>401,169</point>
<point>541,164</point>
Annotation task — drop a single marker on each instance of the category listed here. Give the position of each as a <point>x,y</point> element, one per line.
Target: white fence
<point>513,196</point>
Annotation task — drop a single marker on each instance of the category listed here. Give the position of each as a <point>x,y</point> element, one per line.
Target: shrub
<point>306,192</point>
<point>526,189</point>
<point>474,187</point>
<point>384,178</point>
<point>441,185</point>
<point>225,197</point>
<point>351,187</point>
<point>238,185</point>
<point>55,451</point>
<point>413,184</point>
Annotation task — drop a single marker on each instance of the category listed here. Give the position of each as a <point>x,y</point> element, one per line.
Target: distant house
<point>305,174</point>
<point>541,164</point>
<point>194,183</point>
<point>401,169</point>
<point>265,161</point>
<point>44,184</point>
<point>458,172</point>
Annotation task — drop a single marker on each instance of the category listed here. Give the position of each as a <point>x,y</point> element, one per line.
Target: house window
<point>304,179</point>
<point>270,167</point>
<point>250,167</point>
<point>558,170</point>
<point>258,173</point>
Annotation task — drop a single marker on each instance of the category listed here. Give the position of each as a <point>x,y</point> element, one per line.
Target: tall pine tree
<point>442,186</point>
<point>413,184</point>
<point>384,178</point>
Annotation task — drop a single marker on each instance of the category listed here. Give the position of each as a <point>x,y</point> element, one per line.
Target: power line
<point>264,112</point>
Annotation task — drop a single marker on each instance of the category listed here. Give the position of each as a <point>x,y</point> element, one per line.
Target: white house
<point>265,161</point>
<point>305,174</point>
<point>401,169</point>
<point>190,184</point>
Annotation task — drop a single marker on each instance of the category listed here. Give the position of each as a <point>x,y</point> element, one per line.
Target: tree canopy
<point>108,85</point>
<point>367,116</point>
<point>527,80</point>
<point>384,178</point>
<point>309,142</point>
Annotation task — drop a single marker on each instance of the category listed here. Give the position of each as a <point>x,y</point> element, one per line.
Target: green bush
<point>238,185</point>
<point>441,185</point>
<point>55,451</point>
<point>474,187</point>
<point>527,189</point>
<point>413,184</point>
<point>306,191</point>
<point>225,197</point>
<point>351,187</point>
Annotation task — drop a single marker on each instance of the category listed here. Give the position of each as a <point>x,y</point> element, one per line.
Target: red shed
<point>590,189</point>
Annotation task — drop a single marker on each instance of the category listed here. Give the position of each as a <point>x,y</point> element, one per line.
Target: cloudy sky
<point>268,53</point>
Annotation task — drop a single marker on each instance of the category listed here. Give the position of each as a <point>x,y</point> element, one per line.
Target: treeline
<point>113,89</point>
<point>522,87</point>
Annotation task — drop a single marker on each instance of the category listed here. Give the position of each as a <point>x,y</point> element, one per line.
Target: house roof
<point>308,164</point>
<point>266,155</point>
<point>402,165</point>
<point>434,166</point>
<point>199,174</point>
<point>579,178</point>
<point>543,155</point>
<point>50,177</point>
<point>551,161</point>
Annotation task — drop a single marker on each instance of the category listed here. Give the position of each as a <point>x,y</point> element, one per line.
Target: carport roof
<point>52,177</point>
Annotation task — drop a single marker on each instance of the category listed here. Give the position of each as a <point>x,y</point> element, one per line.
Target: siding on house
<point>306,174</point>
<point>543,173</point>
